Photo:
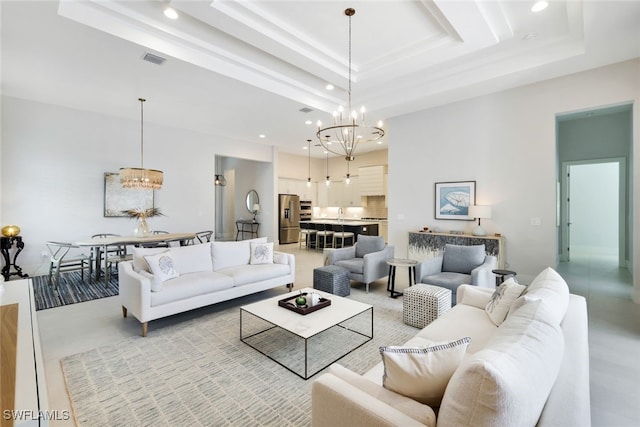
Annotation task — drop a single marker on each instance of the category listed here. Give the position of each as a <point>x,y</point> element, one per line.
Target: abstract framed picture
<point>454,198</point>
<point>118,199</point>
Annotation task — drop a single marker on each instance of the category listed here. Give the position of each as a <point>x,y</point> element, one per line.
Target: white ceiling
<point>244,68</point>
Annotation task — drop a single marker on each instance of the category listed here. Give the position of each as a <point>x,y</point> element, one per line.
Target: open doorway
<point>593,223</point>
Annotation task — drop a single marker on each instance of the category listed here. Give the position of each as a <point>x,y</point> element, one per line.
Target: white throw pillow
<point>162,266</point>
<point>498,306</point>
<point>139,263</point>
<point>232,254</point>
<point>261,253</point>
<point>422,373</point>
<point>552,290</point>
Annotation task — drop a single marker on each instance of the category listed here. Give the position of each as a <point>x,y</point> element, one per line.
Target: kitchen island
<point>355,226</point>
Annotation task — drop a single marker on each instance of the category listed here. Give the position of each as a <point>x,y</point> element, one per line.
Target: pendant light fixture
<point>347,179</point>
<point>141,178</point>
<point>309,166</point>
<point>327,182</point>
<point>349,128</point>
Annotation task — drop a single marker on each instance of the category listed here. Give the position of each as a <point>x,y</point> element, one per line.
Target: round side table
<point>502,275</point>
<point>391,281</point>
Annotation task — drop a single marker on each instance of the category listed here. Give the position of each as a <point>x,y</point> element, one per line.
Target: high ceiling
<point>240,69</point>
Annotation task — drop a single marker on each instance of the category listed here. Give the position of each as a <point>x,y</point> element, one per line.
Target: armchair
<point>456,266</point>
<point>366,260</point>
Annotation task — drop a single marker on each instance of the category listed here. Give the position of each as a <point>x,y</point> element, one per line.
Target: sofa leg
<point>290,286</point>
<point>144,329</point>
<point>124,311</point>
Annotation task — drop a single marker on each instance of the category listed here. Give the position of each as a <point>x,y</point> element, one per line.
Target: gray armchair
<point>456,266</point>
<point>366,260</point>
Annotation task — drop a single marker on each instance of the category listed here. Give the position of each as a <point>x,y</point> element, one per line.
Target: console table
<point>6,243</point>
<point>246,226</point>
<point>425,245</point>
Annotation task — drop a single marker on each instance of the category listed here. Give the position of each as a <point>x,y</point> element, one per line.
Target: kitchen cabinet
<point>339,194</point>
<point>299,187</point>
<point>372,180</point>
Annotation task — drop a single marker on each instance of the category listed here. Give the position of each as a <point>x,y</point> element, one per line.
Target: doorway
<point>593,222</point>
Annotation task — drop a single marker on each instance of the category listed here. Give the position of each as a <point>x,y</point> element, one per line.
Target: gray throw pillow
<point>462,259</point>
<point>367,244</point>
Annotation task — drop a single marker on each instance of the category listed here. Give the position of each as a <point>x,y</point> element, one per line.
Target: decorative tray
<point>290,304</point>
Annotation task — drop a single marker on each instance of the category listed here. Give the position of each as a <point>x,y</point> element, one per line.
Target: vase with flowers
<point>142,229</point>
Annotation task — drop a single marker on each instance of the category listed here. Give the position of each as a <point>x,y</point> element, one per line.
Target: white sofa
<point>531,370</point>
<point>160,282</point>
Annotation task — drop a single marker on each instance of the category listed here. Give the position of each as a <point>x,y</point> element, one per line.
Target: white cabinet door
<point>351,193</point>
<point>371,180</point>
<point>323,195</point>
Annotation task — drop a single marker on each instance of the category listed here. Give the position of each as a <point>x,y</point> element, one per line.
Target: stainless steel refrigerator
<point>289,224</point>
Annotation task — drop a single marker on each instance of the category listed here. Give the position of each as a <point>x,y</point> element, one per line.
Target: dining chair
<point>112,256</point>
<point>204,236</point>
<point>61,261</point>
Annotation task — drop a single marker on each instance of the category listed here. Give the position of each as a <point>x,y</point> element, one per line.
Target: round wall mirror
<point>253,202</point>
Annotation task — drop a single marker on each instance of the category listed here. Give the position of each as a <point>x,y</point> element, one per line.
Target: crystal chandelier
<point>141,178</point>
<point>349,128</point>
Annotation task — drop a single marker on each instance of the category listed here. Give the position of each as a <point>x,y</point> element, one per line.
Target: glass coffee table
<point>306,344</point>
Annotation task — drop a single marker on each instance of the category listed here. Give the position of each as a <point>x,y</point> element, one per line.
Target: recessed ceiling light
<point>539,6</point>
<point>262,135</point>
<point>329,87</point>
<point>171,13</point>
<point>308,122</point>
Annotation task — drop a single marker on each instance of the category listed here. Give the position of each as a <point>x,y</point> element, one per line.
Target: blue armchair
<point>366,260</point>
<point>456,266</point>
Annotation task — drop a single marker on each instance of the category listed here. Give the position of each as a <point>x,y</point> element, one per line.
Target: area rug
<point>71,289</point>
<point>199,373</point>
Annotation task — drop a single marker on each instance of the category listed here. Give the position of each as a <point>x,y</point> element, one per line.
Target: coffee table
<point>306,344</point>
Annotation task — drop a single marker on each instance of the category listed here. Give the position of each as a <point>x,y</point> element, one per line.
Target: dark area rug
<point>71,289</point>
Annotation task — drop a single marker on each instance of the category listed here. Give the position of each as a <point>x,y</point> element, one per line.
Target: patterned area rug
<point>71,289</point>
<point>199,373</point>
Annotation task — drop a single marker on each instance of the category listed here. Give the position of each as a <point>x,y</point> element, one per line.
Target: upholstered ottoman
<point>332,279</point>
<point>422,304</point>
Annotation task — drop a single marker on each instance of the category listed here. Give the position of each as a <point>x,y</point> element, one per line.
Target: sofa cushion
<point>447,280</point>
<point>261,253</point>
<point>354,265</point>
<point>462,259</point>
<point>162,266</point>
<point>407,406</point>
<point>422,373</point>
<point>551,288</point>
<point>190,285</point>
<point>231,254</point>
<point>139,263</point>
<point>192,258</point>
<point>245,274</point>
<point>498,306</point>
<point>368,244</point>
<point>508,382</point>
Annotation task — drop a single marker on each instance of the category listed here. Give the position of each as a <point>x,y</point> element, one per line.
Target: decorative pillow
<point>498,306</point>
<point>422,373</point>
<point>261,253</point>
<point>162,266</point>
<point>551,288</point>
<point>232,254</point>
<point>139,263</point>
<point>368,244</point>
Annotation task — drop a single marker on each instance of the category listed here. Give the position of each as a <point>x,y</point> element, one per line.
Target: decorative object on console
<point>346,133</point>
<point>478,212</point>
<point>452,199</point>
<point>10,230</point>
<point>141,178</point>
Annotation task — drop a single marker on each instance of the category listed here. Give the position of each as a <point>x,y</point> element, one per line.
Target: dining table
<point>101,244</point>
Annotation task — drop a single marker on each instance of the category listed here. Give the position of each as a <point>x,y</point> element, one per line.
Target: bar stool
<point>324,236</point>
<point>340,234</point>
<point>306,233</point>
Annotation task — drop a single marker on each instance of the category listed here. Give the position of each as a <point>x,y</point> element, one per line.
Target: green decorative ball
<point>301,301</point>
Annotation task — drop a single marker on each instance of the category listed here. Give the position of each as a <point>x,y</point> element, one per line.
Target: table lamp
<point>478,212</point>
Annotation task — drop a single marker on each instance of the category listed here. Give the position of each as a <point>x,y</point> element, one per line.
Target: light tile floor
<point>614,327</point>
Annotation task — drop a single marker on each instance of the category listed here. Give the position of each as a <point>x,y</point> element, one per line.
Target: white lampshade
<point>480,211</point>
<point>256,207</point>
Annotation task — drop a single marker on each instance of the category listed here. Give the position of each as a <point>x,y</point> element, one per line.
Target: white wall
<point>506,142</point>
<point>54,158</point>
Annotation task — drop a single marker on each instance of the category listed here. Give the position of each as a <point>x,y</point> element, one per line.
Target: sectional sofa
<point>514,357</point>
<point>160,282</point>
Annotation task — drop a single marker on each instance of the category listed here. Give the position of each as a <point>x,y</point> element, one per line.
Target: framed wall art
<point>453,199</point>
<point>118,199</point>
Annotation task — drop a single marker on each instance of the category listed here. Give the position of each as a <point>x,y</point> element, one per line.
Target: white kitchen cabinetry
<point>372,180</point>
<point>339,194</point>
<point>299,187</point>
<point>351,193</point>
